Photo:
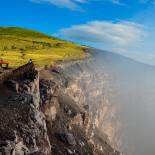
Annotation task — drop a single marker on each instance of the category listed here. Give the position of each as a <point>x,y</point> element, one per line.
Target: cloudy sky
<point>122,26</point>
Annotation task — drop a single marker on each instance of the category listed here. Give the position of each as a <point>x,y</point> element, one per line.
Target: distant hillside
<point>18,45</point>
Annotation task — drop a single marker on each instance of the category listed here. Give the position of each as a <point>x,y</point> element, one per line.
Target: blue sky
<point>126,27</point>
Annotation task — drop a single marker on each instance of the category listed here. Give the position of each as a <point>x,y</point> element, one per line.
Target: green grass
<point>18,45</point>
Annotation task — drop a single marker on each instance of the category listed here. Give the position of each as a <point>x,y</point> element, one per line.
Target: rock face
<point>37,118</point>
<point>22,125</point>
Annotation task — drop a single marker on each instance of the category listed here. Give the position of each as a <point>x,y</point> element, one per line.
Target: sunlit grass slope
<point>18,45</point>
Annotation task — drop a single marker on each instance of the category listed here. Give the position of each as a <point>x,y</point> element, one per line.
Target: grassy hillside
<point>18,45</point>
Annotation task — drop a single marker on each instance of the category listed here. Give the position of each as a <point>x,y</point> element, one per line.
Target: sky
<point>126,27</point>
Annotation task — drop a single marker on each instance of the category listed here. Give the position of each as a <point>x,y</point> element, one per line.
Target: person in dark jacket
<point>30,61</point>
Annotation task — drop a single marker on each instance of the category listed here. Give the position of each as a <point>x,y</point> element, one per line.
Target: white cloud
<point>112,34</point>
<point>76,4</point>
<point>70,4</point>
<point>117,2</point>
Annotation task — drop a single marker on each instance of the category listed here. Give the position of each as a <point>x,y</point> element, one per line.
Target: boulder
<point>66,138</point>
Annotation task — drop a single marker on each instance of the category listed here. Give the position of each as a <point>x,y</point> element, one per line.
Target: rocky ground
<point>38,118</point>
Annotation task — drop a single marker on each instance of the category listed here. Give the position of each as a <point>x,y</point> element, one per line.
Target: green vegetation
<point>18,45</point>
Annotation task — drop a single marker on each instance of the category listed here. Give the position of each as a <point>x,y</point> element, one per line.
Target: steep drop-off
<point>40,116</point>
<point>87,87</point>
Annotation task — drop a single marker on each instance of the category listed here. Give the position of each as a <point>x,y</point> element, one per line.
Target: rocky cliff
<point>39,117</point>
